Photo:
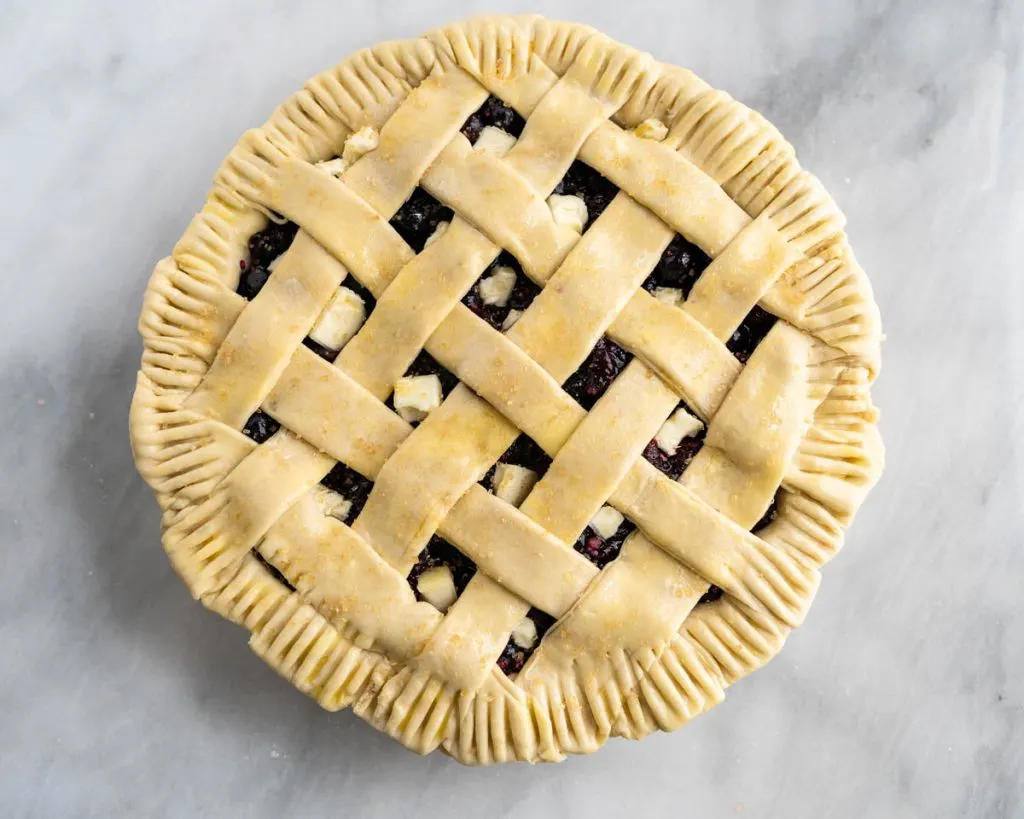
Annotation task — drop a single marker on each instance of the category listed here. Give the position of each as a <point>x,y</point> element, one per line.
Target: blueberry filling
<point>426,364</point>
<point>495,113</point>
<point>264,247</point>
<point>350,485</point>
<point>356,287</point>
<point>260,427</point>
<point>583,181</point>
<point>769,515</point>
<point>599,550</point>
<point>439,552</point>
<point>326,353</point>
<point>514,656</point>
<point>750,333</point>
<point>679,266</point>
<point>711,595</point>
<point>272,569</point>
<point>675,463</point>
<point>596,374</point>
<point>419,217</point>
<point>523,293</point>
<point>524,452</point>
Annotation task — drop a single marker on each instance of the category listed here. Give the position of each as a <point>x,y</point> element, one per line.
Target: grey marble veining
<point>902,694</point>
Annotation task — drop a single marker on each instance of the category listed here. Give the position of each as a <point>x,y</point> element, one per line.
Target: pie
<point>511,388</point>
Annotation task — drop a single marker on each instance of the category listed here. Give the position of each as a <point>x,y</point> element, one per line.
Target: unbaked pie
<point>511,388</point>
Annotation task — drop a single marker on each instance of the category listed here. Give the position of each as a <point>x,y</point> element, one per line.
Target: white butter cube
<point>437,587</point>
<point>512,317</point>
<point>336,506</point>
<point>416,396</point>
<point>494,141</point>
<point>680,425</point>
<point>340,320</point>
<point>513,483</point>
<point>442,226</point>
<point>496,288</point>
<point>524,635</point>
<point>359,143</point>
<point>669,295</point>
<point>606,521</point>
<point>651,129</point>
<point>568,211</point>
<point>335,167</point>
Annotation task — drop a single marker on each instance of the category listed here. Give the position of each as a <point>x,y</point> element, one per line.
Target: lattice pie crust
<point>631,652</point>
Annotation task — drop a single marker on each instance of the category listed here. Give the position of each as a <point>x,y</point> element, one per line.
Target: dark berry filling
<point>679,266</point>
<point>440,552</point>
<point>711,595</point>
<point>326,353</point>
<point>419,217</point>
<point>426,364</point>
<point>264,247</point>
<point>674,465</point>
<point>514,656</point>
<point>272,569</point>
<point>750,333</point>
<point>493,112</point>
<point>602,551</point>
<point>523,452</point>
<point>357,288</point>
<point>596,374</point>
<point>596,191</point>
<point>524,292</point>
<point>260,426</point>
<point>350,485</point>
<point>768,516</point>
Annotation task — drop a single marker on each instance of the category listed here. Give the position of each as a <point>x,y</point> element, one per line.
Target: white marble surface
<point>900,697</point>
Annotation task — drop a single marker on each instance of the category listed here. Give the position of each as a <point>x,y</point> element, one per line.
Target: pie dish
<point>511,388</point>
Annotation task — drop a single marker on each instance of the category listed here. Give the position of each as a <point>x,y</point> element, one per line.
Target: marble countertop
<point>900,697</point>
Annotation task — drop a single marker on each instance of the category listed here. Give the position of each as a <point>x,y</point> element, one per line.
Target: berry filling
<point>272,569</point>
<point>600,550</point>
<point>674,463</point>
<point>524,452</point>
<point>596,374</point>
<point>679,267</point>
<point>264,247</point>
<point>583,181</point>
<point>711,595</point>
<point>439,552</point>
<point>419,217</point>
<point>326,353</point>
<point>496,114</point>
<point>514,656</point>
<point>260,427</point>
<point>352,486</point>
<point>426,364</point>
<point>750,333</point>
<point>496,313</point>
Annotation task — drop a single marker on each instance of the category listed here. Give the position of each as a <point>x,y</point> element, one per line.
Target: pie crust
<point>634,648</point>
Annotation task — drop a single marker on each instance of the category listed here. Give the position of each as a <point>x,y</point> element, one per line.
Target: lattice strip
<point>411,139</point>
<point>739,276</point>
<point>345,580</point>
<point>257,348</point>
<point>207,541</point>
